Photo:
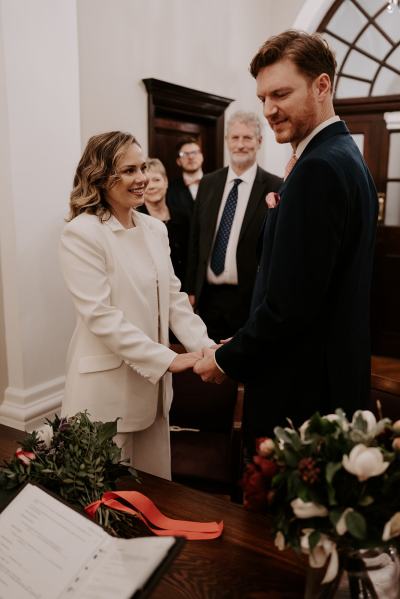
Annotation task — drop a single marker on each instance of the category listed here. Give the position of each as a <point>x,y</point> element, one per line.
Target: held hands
<point>207,369</point>
<point>202,362</point>
<point>183,362</point>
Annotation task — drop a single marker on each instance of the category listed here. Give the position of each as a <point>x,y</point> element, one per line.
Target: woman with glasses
<point>117,267</point>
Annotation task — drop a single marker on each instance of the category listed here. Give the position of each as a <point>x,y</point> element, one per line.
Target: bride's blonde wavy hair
<point>96,172</point>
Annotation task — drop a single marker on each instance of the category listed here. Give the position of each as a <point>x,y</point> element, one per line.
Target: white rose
<point>364,462</point>
<point>45,434</point>
<point>341,526</point>
<point>368,417</point>
<point>308,509</point>
<point>279,541</point>
<point>323,550</point>
<point>392,527</point>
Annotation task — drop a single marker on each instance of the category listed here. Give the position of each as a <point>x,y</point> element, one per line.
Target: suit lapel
<point>158,255</point>
<point>338,128</point>
<point>213,204</point>
<point>254,200</point>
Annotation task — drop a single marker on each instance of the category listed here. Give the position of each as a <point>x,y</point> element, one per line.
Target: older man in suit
<point>305,346</point>
<point>229,211</point>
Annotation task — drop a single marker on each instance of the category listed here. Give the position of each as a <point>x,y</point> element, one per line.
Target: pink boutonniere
<point>272,199</point>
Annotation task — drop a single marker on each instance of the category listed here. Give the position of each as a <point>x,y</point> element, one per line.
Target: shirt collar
<point>304,142</point>
<point>248,176</point>
<point>114,223</point>
<point>193,178</point>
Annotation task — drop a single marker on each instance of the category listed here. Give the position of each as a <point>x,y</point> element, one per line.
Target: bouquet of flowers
<point>77,460</point>
<point>332,486</point>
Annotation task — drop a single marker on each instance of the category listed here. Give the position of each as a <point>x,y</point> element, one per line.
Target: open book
<point>50,551</point>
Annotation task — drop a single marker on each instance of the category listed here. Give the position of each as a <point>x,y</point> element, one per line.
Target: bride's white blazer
<point>114,369</point>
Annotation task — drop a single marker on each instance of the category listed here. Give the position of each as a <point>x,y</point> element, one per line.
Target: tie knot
<point>290,165</point>
<point>237,182</point>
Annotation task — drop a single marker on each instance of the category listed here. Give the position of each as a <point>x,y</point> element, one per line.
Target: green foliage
<point>311,468</point>
<point>74,458</point>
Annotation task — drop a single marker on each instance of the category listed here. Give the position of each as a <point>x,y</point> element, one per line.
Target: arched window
<point>366,38</point>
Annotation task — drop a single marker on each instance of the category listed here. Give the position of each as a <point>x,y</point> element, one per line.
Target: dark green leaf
<point>331,469</point>
<point>335,514</point>
<point>291,456</point>
<point>107,431</point>
<point>313,539</point>
<point>356,525</point>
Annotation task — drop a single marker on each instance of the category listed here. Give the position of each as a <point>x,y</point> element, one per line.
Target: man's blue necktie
<point>217,262</point>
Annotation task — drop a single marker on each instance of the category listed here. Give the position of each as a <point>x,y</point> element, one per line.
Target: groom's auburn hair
<point>308,51</point>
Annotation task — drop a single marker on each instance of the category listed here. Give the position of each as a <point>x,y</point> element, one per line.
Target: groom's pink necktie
<point>289,166</point>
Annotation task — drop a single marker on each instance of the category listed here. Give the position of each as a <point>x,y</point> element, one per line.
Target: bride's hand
<point>183,362</point>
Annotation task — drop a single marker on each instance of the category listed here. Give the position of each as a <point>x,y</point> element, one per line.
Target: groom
<point>305,346</point>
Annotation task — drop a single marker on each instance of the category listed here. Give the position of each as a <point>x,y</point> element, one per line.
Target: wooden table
<point>242,564</point>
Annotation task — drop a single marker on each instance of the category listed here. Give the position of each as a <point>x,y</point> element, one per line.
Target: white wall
<point>40,145</point>
<point>3,169</point>
<point>176,41</point>
<point>205,45</point>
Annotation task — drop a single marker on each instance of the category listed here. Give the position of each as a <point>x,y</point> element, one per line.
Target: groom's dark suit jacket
<point>208,201</point>
<point>306,346</point>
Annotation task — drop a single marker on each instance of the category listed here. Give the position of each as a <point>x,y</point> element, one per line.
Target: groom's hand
<point>207,369</point>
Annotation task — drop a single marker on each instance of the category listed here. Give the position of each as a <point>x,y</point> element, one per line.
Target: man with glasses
<point>183,190</point>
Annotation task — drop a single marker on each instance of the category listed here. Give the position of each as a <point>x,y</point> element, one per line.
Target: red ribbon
<point>159,524</point>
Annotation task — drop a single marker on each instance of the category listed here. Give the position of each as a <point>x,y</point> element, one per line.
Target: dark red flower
<point>267,467</point>
<point>309,471</point>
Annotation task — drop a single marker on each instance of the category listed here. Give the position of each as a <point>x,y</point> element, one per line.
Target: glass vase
<point>363,574</point>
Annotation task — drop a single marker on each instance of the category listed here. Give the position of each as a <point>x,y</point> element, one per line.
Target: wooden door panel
<point>167,133</point>
<point>174,112</point>
<point>376,144</point>
<point>385,288</point>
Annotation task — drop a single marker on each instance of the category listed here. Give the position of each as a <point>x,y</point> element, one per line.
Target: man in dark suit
<point>305,346</point>
<point>228,214</point>
<point>182,191</point>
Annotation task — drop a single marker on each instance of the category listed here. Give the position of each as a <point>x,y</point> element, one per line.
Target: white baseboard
<point>25,409</point>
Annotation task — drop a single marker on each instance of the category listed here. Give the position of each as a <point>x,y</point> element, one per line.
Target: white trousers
<point>148,450</point>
